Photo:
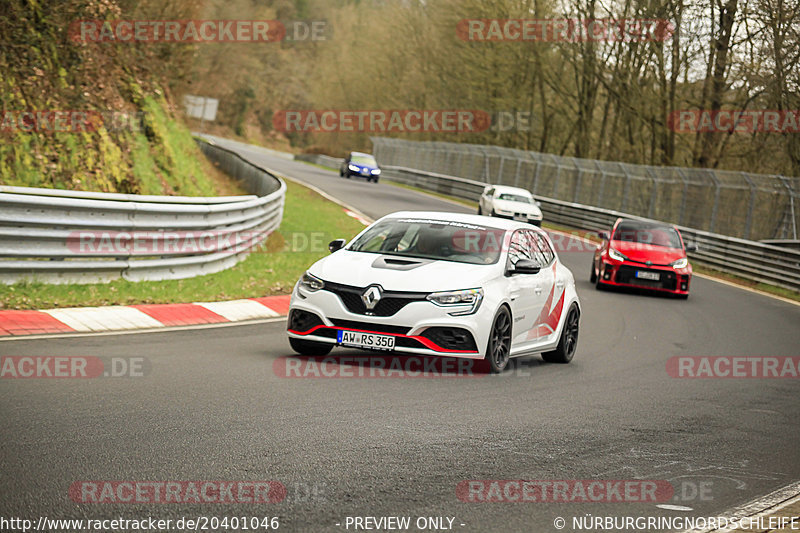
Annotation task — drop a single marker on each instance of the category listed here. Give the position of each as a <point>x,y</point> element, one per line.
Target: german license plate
<point>520,217</point>
<point>652,276</point>
<point>365,340</point>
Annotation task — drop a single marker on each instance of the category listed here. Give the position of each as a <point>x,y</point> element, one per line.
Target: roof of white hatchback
<point>511,190</point>
<point>476,220</point>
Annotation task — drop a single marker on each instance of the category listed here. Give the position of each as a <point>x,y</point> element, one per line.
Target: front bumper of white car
<point>532,218</point>
<point>417,325</point>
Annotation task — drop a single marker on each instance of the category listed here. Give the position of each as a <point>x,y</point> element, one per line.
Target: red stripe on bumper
<point>422,340</point>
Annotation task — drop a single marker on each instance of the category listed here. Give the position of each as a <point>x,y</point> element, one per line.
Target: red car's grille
<point>627,274</point>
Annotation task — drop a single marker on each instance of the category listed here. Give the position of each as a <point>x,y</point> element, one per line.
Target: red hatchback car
<point>645,255</point>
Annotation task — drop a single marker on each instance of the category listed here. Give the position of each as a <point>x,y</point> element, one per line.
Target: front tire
<point>593,275</point>
<point>498,350</point>
<point>309,347</point>
<point>568,342</point>
<point>480,211</point>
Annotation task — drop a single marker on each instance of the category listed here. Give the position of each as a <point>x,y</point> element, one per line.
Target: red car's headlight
<point>615,255</point>
<point>680,263</point>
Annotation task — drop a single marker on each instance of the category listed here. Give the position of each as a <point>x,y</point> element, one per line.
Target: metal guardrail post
<point>555,180</point>
<point>577,181</point>
<point>791,193</point>
<point>684,195</point>
<point>535,188</point>
<point>751,207</point>
<point>716,201</point>
<point>601,192</point>
<point>626,189</point>
<point>654,195</point>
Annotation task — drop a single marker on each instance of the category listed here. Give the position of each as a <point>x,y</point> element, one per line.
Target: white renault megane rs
<point>439,284</point>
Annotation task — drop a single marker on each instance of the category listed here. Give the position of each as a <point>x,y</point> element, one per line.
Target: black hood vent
<point>399,263</point>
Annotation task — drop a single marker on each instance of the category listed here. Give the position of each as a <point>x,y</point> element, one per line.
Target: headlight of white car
<point>471,297</point>
<point>680,263</point>
<point>613,254</point>
<point>311,283</point>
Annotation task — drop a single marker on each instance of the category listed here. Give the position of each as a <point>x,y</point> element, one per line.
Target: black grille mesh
<point>301,321</point>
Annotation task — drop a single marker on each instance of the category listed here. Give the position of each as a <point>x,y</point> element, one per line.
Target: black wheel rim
<point>501,340</point>
<point>571,332</point>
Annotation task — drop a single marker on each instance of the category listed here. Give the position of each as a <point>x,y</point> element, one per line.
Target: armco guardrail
<point>86,237</point>
<point>751,260</point>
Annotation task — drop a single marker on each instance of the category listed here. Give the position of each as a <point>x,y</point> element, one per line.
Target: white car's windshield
<point>432,239</point>
<point>515,198</point>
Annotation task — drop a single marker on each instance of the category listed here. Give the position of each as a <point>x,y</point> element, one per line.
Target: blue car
<point>360,165</point>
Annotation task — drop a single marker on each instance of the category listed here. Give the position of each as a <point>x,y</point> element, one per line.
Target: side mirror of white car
<point>338,244</point>
<point>526,266</point>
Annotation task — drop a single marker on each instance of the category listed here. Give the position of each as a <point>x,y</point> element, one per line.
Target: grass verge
<point>310,222</point>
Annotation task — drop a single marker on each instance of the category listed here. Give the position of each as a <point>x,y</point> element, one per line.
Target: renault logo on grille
<point>371,297</point>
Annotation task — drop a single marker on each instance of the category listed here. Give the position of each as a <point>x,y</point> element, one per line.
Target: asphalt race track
<point>211,407</point>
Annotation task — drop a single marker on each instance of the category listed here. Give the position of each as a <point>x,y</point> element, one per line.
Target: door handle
<point>560,284</point>
<point>537,289</point>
